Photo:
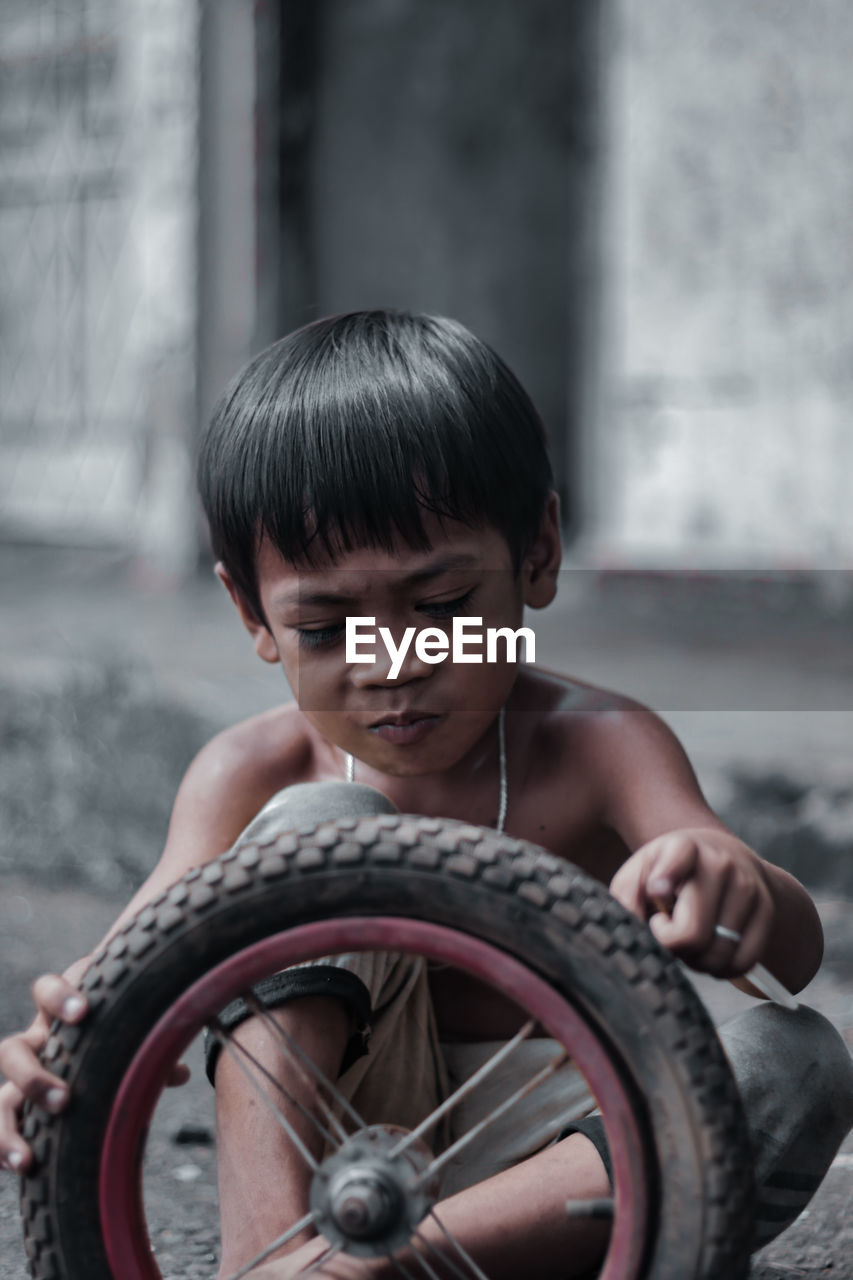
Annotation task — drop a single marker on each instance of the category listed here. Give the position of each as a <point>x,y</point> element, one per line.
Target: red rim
<point>120,1188</point>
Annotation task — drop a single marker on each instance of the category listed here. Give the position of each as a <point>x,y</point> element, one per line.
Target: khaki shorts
<point>793,1071</point>
<point>396,1070</point>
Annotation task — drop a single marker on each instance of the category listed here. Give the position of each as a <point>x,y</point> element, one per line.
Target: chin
<point>439,758</point>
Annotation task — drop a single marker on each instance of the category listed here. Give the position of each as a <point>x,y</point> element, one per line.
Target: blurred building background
<point>644,207</point>
<point>98,309</point>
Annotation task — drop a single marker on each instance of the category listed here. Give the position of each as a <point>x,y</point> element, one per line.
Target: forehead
<point>454,548</point>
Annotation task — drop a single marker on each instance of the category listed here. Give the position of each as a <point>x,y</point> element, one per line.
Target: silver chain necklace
<point>504,794</point>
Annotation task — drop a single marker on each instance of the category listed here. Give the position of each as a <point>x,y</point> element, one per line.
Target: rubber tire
<point>540,909</point>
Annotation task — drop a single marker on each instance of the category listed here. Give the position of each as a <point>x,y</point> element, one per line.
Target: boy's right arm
<point>223,789</point>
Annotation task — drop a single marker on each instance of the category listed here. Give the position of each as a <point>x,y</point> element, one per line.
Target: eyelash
<point>447,608</point>
<point>319,637</point>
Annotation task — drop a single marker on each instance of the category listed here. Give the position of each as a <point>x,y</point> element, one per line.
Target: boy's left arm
<point>688,873</point>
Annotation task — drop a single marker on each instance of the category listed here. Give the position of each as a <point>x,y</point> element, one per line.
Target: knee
<point>307,803</point>
<point>797,1058</point>
<point>795,1077</point>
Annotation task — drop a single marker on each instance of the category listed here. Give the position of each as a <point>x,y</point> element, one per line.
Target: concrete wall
<point>455,165</point>
<point>725,434</point>
<point>98,215</point>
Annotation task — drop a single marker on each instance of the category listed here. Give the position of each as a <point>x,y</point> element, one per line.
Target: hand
<point>54,997</point>
<point>26,1078</point>
<point>685,883</point>
<point>339,1267</point>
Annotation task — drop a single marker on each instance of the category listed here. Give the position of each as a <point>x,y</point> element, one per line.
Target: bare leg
<point>263,1179</point>
<point>512,1225</point>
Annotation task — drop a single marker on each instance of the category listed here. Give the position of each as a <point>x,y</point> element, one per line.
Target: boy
<point>387,466</point>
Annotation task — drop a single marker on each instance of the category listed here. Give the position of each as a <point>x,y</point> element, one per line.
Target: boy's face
<point>427,718</point>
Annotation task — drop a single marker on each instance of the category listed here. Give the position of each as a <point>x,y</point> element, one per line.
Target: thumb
<point>179,1075</point>
<point>664,928</point>
<point>650,879</point>
<point>669,862</point>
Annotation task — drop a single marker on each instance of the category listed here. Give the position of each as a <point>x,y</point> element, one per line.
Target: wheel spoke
<point>282,1240</point>
<point>464,1089</point>
<point>400,1266</point>
<point>463,1253</point>
<point>235,1049</point>
<point>320,1262</point>
<point>554,1065</point>
<point>422,1262</point>
<point>446,1262</point>
<point>333,1140</point>
<point>601,1209</point>
<point>290,1048</point>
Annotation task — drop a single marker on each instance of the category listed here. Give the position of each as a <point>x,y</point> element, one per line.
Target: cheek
<point>315,678</point>
<point>504,596</point>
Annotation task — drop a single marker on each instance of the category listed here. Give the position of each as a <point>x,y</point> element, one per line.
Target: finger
<point>755,934</point>
<point>728,908</point>
<point>18,1062</point>
<point>745,910</point>
<point>179,1075</point>
<point>673,861</point>
<point>15,1155</point>
<point>689,930</point>
<point>55,997</point>
<point>721,956</point>
<point>649,880</point>
<point>626,886</point>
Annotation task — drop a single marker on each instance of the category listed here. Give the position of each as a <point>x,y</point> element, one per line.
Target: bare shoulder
<point>230,779</point>
<point>568,711</point>
<point>630,760</point>
<point>234,775</point>
<point>577,729</point>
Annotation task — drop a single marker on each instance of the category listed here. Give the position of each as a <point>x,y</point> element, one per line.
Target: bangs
<point>367,457</point>
<point>346,433</point>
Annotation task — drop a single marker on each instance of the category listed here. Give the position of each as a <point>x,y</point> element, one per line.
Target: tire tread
<point>461,853</point>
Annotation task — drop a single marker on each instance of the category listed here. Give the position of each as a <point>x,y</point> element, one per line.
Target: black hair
<point>343,433</point>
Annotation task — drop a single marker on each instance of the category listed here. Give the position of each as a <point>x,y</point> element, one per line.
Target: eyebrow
<point>429,571</point>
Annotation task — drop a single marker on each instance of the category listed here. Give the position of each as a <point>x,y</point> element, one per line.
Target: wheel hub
<point>364,1202</point>
<point>369,1195</point>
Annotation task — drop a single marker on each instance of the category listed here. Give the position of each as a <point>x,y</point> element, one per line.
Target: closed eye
<point>446,608</point>
<point>317,637</point>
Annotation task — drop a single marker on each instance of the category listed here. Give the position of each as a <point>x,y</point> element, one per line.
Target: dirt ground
<point>108,684</point>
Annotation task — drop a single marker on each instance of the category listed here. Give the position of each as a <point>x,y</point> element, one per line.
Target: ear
<point>542,562</point>
<point>265,646</point>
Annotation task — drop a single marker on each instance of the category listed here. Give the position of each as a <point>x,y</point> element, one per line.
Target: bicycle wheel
<point>541,932</point>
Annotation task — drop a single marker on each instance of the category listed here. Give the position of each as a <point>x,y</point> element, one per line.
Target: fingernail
<point>55,1099</point>
<point>73,1006</point>
<point>14,1159</point>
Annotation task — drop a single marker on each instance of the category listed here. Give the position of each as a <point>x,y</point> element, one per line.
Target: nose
<point>395,662</point>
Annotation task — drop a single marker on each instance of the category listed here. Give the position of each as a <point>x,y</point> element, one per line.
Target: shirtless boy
<point>390,466</point>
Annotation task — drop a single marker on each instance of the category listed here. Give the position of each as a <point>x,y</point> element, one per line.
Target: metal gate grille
<point>97,213</point>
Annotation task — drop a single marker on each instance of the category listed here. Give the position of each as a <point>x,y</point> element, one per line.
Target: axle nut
<point>364,1207</point>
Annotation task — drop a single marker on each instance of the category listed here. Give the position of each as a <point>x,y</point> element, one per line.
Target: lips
<point>401,718</point>
<point>404,727</point>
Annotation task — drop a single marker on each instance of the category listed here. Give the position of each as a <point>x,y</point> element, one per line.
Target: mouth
<point>404,727</point>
